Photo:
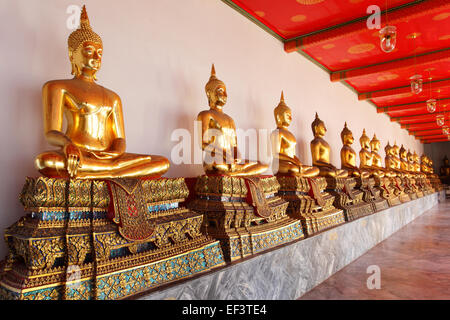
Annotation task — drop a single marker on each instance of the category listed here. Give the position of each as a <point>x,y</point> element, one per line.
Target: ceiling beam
<point>419,126</point>
<point>434,140</point>
<point>436,136</point>
<point>425,116</point>
<point>343,31</point>
<point>399,90</point>
<point>406,107</point>
<point>403,63</point>
<point>428,133</point>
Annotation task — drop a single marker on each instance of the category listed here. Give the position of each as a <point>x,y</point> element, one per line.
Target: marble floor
<point>414,263</point>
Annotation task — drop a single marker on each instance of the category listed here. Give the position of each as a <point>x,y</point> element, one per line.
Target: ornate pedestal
<point>348,198</point>
<point>372,193</point>
<point>414,180</point>
<point>399,190</point>
<point>68,247</point>
<point>408,185</point>
<point>245,214</point>
<point>386,186</point>
<point>310,203</point>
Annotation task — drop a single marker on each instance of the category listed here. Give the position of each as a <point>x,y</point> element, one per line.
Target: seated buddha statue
<point>396,155</point>
<point>416,162</point>
<point>348,155</point>
<point>366,157</point>
<point>320,151</point>
<point>219,139</point>
<point>390,161</point>
<point>93,145</point>
<point>376,158</point>
<point>444,171</point>
<point>424,164</point>
<point>284,143</point>
<point>411,165</point>
<point>404,163</point>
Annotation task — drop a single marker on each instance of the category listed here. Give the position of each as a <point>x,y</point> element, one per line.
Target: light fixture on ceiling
<point>416,79</point>
<point>388,38</point>
<point>388,35</point>
<point>440,120</point>
<point>431,103</point>
<point>445,130</point>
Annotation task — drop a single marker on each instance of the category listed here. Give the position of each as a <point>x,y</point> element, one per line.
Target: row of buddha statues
<point>112,217</point>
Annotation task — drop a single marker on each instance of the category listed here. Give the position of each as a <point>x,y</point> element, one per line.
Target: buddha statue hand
<point>73,158</point>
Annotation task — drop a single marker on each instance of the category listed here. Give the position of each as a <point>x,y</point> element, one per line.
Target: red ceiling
<point>334,34</point>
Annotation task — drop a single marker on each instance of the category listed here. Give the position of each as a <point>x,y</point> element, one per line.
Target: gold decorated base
<point>348,198</point>
<point>67,247</point>
<point>230,216</point>
<point>309,203</point>
<point>372,193</point>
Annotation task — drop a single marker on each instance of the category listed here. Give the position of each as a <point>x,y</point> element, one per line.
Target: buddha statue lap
<point>300,184</point>
<point>222,195</point>
<point>91,211</point>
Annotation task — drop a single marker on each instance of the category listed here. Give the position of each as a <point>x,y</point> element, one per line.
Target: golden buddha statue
<point>444,171</point>
<point>411,166</point>
<point>219,136</point>
<point>320,151</point>
<point>424,164</point>
<point>396,155</point>
<point>390,161</point>
<point>376,158</point>
<point>416,162</point>
<point>404,163</point>
<point>284,143</point>
<point>348,155</point>
<point>93,145</point>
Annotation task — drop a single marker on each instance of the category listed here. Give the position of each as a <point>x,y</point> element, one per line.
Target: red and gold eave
<point>334,34</point>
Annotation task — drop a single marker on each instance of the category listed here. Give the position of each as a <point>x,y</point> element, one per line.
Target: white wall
<point>157,57</point>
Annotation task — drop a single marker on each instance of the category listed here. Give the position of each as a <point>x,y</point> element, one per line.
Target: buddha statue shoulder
<point>348,155</point>
<point>377,162</point>
<point>219,139</point>
<point>93,145</point>
<point>284,143</point>
<point>320,152</point>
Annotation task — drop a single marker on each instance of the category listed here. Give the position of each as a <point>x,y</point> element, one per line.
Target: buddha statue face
<point>87,58</point>
<point>446,161</point>
<point>395,150</point>
<point>410,157</point>
<point>318,127</point>
<point>388,150</point>
<point>347,136</point>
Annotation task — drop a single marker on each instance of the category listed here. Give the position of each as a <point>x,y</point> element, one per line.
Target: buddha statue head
<point>445,161</point>
<point>85,49</point>
<point>364,140</point>
<point>347,136</point>
<point>375,144</point>
<point>282,114</point>
<point>318,127</point>
<point>216,91</point>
